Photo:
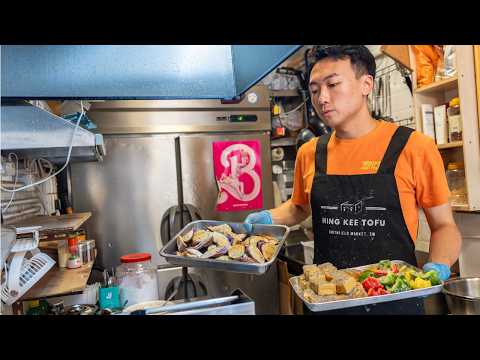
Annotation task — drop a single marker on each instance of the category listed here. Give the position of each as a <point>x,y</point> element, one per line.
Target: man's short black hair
<point>362,60</point>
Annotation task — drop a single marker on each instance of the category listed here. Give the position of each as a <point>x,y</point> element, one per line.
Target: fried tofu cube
<point>310,296</point>
<point>307,268</point>
<point>358,291</point>
<point>345,285</point>
<point>326,267</point>
<point>322,287</point>
<point>304,284</point>
<point>327,289</point>
<point>316,276</point>
<point>310,272</point>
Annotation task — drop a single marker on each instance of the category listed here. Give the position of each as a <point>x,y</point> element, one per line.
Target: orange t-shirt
<point>420,173</point>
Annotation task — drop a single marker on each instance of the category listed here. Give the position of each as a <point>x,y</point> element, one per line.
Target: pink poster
<point>238,171</point>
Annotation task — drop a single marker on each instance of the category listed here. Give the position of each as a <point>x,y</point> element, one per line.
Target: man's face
<point>336,92</point>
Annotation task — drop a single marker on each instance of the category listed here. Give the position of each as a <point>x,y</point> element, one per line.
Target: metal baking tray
<point>341,304</point>
<point>280,232</point>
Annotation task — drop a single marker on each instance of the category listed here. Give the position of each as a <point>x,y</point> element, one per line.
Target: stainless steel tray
<point>341,304</point>
<point>280,232</point>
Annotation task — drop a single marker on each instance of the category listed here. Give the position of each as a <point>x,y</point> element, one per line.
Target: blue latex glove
<point>442,270</point>
<point>262,217</point>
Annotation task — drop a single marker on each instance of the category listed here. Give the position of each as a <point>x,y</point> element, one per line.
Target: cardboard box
<point>441,126</point>
<point>428,124</point>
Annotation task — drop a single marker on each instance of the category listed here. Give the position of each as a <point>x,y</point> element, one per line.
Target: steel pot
<point>463,295</point>
<point>81,310</point>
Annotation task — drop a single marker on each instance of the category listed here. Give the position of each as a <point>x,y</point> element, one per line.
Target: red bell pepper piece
<point>379,272</point>
<point>394,268</point>
<point>371,283</point>
<point>382,291</point>
<point>377,291</point>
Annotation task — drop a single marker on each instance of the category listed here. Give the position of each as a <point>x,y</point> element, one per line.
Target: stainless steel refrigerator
<point>129,191</point>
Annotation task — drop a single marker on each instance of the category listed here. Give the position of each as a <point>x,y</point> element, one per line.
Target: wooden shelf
<point>286,141</point>
<point>49,224</point>
<point>465,87</point>
<point>461,208</point>
<point>60,282</point>
<point>451,145</point>
<point>437,86</point>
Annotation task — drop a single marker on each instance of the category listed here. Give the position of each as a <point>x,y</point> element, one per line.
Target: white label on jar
<point>455,124</point>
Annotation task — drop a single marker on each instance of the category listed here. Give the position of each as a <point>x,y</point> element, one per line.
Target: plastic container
<point>455,132</point>
<point>73,245</point>
<point>456,182</point>
<point>137,279</point>
<point>73,261</point>
<point>63,253</point>
<point>86,251</point>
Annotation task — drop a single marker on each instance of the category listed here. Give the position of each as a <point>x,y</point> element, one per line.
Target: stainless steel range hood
<point>132,72</point>
<point>30,131</point>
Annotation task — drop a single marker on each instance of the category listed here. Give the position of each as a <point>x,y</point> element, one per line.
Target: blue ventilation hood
<point>136,71</point>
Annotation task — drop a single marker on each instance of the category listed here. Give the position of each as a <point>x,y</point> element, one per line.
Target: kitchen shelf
<point>442,85</point>
<point>52,224</point>
<point>454,144</point>
<point>287,141</point>
<point>461,208</point>
<point>284,93</point>
<point>439,93</point>
<point>60,282</point>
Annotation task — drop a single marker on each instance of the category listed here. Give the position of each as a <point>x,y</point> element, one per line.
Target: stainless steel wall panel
<point>127,194</point>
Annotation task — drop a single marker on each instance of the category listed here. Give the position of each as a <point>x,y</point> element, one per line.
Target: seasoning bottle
<point>454,120</point>
<point>74,260</point>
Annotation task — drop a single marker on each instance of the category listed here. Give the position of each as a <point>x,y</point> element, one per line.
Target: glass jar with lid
<point>455,132</point>
<point>457,184</point>
<point>137,279</point>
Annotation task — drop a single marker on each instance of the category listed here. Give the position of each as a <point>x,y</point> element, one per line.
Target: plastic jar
<point>455,132</point>
<point>456,182</point>
<point>63,253</point>
<point>137,279</point>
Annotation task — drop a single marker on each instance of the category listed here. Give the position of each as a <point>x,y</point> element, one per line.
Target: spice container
<point>86,251</point>
<point>454,120</point>
<point>137,279</point>
<point>74,260</point>
<point>456,182</point>
<point>63,253</point>
<point>83,252</point>
<point>91,250</point>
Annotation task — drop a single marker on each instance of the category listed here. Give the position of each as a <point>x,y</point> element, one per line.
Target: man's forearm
<point>289,214</point>
<point>445,244</point>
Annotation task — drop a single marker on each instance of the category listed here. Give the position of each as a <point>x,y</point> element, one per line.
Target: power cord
<point>15,181</point>
<point>63,167</point>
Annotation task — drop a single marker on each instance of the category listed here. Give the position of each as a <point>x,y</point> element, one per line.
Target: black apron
<point>358,220</point>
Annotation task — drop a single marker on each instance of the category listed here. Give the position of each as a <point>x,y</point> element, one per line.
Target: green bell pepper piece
<point>389,279</point>
<point>401,284</point>
<point>384,264</point>
<point>431,275</point>
<point>365,274</point>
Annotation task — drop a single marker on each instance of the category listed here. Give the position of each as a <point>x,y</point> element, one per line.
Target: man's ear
<point>367,84</point>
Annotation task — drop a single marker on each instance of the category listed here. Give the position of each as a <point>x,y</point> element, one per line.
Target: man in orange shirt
<point>363,184</point>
